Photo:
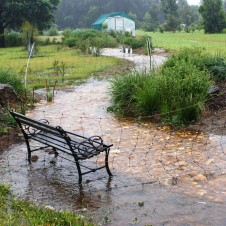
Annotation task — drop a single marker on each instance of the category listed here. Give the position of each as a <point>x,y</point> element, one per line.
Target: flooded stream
<point>161,177</point>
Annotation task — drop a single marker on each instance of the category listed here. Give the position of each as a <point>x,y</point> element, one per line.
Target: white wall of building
<point>119,23</point>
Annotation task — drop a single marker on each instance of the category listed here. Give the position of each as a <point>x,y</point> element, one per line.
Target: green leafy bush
<point>68,32</point>
<point>86,39</point>
<point>177,92</point>
<point>9,77</point>
<point>215,64</point>
<point>70,41</point>
<point>196,56</point>
<point>13,39</point>
<point>134,42</point>
<point>53,31</point>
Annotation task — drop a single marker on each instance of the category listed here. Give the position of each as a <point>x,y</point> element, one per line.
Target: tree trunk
<point>2,38</point>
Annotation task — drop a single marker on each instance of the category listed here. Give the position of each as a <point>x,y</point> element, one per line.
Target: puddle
<point>142,63</point>
<point>160,177</point>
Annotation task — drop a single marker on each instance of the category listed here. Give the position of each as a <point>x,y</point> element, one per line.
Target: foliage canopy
<point>39,13</point>
<point>213,16</point>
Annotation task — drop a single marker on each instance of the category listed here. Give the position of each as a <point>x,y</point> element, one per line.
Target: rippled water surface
<point>160,177</point>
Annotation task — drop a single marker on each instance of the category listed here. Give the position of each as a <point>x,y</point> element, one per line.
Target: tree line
<point>150,15</point>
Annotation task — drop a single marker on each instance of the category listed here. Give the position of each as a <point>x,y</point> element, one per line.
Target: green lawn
<point>214,43</point>
<point>69,64</point>
<point>19,213</point>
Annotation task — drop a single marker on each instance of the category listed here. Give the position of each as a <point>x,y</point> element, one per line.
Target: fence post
<point>149,49</point>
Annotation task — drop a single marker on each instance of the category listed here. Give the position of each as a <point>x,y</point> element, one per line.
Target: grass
<point>41,68</point>
<point>57,38</point>
<point>9,77</point>
<point>174,41</point>
<point>176,92</point>
<point>15,213</point>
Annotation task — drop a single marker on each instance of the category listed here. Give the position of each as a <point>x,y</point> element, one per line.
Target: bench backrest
<point>67,141</point>
<point>31,126</point>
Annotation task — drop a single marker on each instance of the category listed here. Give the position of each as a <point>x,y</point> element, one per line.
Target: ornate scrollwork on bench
<point>89,147</point>
<point>64,143</point>
<point>31,131</point>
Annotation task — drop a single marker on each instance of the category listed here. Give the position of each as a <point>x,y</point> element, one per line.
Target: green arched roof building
<point>117,21</point>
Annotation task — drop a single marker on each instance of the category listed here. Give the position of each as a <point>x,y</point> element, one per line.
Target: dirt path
<point>161,177</point>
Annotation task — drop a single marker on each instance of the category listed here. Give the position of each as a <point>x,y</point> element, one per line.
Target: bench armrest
<point>89,147</point>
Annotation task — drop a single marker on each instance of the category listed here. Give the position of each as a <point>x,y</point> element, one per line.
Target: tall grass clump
<point>177,92</point>
<point>123,90</point>
<point>183,92</point>
<point>11,78</point>
<point>214,63</point>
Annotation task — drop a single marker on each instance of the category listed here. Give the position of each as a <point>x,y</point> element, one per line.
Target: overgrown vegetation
<point>10,77</point>
<point>92,41</point>
<point>87,40</point>
<point>176,92</point>
<point>215,64</point>
<point>15,212</point>
<point>53,64</point>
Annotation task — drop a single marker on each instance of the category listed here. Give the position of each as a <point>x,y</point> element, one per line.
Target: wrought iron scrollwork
<point>63,133</point>
<point>89,147</point>
<point>31,131</point>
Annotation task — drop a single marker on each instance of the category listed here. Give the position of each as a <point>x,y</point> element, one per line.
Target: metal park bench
<point>73,144</point>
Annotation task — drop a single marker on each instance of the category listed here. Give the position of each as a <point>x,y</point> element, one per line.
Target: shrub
<point>13,39</point>
<point>215,64</point>
<point>195,56</point>
<point>68,32</point>
<point>134,42</point>
<point>178,93</point>
<point>53,31</point>
<point>49,96</point>
<point>123,89</point>
<point>85,39</point>
<point>9,77</point>
<point>70,42</point>
<point>183,92</point>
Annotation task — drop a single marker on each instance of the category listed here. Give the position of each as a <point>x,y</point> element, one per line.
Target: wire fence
<point>191,160</point>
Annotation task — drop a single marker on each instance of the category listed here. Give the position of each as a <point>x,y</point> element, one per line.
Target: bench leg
<point>106,162</point>
<point>79,171</point>
<point>28,150</point>
<point>55,152</point>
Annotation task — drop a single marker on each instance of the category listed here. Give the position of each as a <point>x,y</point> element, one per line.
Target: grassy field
<point>214,43</point>
<point>15,213</point>
<point>53,63</point>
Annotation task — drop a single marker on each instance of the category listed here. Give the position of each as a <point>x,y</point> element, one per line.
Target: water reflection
<point>179,176</point>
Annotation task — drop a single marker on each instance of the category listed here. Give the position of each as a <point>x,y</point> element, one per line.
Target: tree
<point>213,15</point>
<point>188,14</point>
<point>170,9</point>
<point>13,13</point>
<point>153,18</point>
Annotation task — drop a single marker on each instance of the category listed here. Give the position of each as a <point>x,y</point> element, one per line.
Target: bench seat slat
<point>60,144</point>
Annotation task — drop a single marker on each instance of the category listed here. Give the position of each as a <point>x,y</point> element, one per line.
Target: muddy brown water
<point>161,177</point>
